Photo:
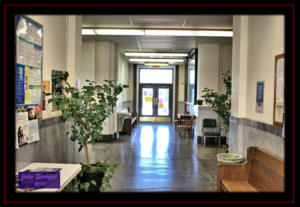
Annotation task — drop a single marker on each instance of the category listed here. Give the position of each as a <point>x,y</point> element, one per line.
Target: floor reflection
<point>156,158</point>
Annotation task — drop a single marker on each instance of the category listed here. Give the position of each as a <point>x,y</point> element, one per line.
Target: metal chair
<point>210,129</point>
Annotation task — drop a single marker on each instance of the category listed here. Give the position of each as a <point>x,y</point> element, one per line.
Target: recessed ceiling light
<point>157,32</point>
<point>120,31</point>
<point>155,63</point>
<point>206,33</point>
<point>156,60</point>
<point>88,32</point>
<point>148,54</point>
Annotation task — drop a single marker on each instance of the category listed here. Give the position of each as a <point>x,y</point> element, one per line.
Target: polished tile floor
<point>156,158</point>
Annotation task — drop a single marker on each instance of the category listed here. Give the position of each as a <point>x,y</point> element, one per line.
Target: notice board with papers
<point>29,61</point>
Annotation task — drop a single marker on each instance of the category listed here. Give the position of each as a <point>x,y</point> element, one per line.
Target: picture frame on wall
<point>278,113</point>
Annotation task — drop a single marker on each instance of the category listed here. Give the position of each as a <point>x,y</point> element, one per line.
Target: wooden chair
<point>187,126</point>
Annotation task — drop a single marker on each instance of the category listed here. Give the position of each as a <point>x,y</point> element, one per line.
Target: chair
<point>210,129</point>
<point>187,126</point>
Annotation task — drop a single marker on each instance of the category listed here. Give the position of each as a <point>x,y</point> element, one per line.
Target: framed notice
<point>279,91</point>
<point>29,56</point>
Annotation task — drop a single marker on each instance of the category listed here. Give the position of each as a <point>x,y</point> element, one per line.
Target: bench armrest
<point>231,172</point>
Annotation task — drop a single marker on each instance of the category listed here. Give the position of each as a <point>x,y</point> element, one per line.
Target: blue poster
<point>260,92</point>
<point>20,87</point>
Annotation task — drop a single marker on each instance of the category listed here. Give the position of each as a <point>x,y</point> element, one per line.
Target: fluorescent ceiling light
<point>143,54</point>
<point>158,32</point>
<point>119,31</point>
<point>88,32</point>
<point>206,33</point>
<point>154,63</point>
<point>156,60</point>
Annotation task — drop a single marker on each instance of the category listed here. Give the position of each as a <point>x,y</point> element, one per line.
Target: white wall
<point>123,76</point>
<point>225,64</point>
<point>87,71</point>
<point>265,41</point>
<point>130,82</point>
<point>181,77</point>
<point>208,67</point>
<point>54,49</point>
<point>256,42</point>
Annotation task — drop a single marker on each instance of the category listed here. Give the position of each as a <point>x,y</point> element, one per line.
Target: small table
<point>67,173</point>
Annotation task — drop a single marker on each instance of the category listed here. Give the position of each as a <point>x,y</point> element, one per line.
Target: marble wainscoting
<point>54,145</point>
<point>245,132</point>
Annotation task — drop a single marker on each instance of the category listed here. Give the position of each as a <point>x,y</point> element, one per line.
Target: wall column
<point>239,81</point>
<point>105,70</point>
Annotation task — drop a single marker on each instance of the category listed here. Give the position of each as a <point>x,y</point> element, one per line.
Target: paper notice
<point>33,131</point>
<point>279,110</point>
<point>280,80</point>
<point>22,128</point>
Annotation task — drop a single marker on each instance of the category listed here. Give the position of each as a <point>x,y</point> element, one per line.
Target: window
<point>162,76</point>
<point>192,75</point>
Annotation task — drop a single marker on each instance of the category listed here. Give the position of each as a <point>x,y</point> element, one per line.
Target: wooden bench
<point>130,123</point>
<point>263,172</point>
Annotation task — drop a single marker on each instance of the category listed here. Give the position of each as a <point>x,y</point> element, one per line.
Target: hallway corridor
<point>155,158</point>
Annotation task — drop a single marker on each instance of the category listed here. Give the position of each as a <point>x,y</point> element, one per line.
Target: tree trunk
<point>86,154</point>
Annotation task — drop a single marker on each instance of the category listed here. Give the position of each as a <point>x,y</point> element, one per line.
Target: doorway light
<point>154,63</point>
<point>119,31</point>
<point>156,60</point>
<point>149,54</point>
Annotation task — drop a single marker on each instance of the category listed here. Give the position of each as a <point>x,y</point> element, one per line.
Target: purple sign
<point>38,180</point>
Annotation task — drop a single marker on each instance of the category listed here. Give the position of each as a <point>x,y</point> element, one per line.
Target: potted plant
<point>220,102</point>
<point>86,110</point>
<point>199,102</point>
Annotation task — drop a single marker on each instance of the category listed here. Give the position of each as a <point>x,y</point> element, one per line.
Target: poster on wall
<point>278,116</point>
<point>259,97</point>
<point>22,128</point>
<point>29,54</point>
<point>27,130</point>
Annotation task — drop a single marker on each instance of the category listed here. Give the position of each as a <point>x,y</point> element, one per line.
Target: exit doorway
<point>155,94</point>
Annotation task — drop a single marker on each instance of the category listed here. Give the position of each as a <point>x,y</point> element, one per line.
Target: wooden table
<point>67,173</point>
<point>182,117</point>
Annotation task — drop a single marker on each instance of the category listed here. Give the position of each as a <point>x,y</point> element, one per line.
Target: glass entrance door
<point>155,102</point>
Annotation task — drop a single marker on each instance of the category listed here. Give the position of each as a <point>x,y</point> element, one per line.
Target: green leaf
<point>94,182</point>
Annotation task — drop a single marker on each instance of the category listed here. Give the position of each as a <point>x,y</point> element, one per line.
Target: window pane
<point>163,102</point>
<point>156,76</point>
<point>147,106</point>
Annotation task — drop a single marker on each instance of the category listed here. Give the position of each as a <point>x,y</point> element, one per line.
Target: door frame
<point>137,101</point>
<point>155,94</point>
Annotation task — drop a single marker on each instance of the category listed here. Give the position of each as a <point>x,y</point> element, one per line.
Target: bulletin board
<point>278,114</point>
<point>29,61</point>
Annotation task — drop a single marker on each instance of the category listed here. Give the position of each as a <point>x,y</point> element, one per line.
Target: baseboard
<point>109,137</point>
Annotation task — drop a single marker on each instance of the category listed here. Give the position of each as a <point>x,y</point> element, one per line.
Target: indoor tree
<point>220,102</point>
<point>86,110</point>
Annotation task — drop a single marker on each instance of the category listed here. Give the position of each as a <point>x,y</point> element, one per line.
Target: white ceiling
<point>158,43</point>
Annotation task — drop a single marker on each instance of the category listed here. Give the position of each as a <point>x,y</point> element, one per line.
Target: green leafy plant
<point>86,110</point>
<point>220,103</point>
<point>199,102</point>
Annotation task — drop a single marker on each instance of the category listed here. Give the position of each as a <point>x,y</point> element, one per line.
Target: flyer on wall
<point>33,126</point>
<point>22,129</point>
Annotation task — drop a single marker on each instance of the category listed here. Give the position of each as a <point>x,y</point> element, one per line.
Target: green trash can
<point>230,158</point>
